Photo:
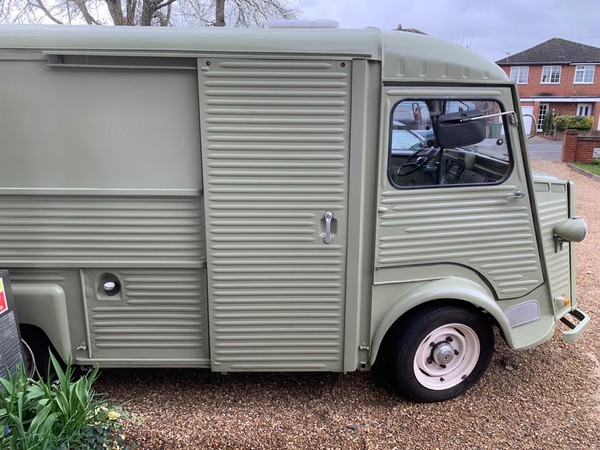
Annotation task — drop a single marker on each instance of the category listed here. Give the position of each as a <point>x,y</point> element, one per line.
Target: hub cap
<point>446,356</point>
<point>443,353</point>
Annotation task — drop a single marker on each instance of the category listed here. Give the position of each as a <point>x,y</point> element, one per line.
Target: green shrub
<point>573,122</point>
<point>56,415</point>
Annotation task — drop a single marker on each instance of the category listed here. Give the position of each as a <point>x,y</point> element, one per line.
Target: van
<point>238,200</point>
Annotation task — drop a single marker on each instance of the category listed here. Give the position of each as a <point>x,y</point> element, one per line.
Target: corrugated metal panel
<point>552,208</point>
<point>275,147</point>
<point>108,231</point>
<point>56,276</point>
<point>158,314</point>
<point>477,227</point>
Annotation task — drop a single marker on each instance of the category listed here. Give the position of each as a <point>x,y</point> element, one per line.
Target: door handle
<point>328,217</point>
<point>517,194</point>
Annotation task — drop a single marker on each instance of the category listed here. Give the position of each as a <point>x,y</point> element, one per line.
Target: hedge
<point>573,122</point>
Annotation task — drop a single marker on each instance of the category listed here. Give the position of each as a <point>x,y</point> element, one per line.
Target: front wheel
<point>439,352</point>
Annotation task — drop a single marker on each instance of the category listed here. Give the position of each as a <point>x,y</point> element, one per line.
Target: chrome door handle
<point>328,216</point>
<point>517,194</point>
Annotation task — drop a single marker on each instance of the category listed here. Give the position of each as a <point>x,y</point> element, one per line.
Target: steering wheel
<point>419,162</point>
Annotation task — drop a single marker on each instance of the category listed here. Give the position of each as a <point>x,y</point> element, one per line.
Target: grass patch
<point>590,167</point>
<point>56,415</point>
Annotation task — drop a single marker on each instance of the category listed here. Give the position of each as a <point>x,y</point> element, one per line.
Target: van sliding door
<point>275,140</point>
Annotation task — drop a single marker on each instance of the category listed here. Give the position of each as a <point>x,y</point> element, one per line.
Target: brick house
<point>557,75</point>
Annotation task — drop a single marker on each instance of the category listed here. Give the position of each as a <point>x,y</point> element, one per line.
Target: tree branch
<point>220,13</point>
<point>165,3</point>
<point>86,14</point>
<point>115,11</point>
<point>131,9</point>
<point>40,5</point>
<point>147,13</point>
<point>164,19</point>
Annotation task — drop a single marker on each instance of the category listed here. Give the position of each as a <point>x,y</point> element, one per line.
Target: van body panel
<point>553,206</point>
<point>157,313</point>
<point>411,57</point>
<point>230,198</point>
<point>361,210</point>
<point>479,226</point>
<point>275,146</point>
<point>81,146</point>
<point>407,57</point>
<point>88,194</point>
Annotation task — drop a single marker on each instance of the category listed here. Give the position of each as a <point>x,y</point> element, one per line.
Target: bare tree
<point>148,12</point>
<point>14,11</point>
<point>219,13</point>
<point>247,13</point>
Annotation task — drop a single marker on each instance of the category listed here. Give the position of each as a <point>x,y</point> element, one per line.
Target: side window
<point>422,154</point>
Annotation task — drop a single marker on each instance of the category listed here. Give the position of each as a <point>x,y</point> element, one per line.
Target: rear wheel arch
<point>44,306</point>
<point>36,349</point>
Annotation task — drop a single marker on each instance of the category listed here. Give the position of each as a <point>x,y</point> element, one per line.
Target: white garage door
<point>527,120</point>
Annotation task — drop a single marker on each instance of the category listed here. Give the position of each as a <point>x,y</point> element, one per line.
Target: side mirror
<point>460,129</point>
<point>569,230</point>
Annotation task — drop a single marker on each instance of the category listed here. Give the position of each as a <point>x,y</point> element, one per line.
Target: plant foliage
<point>548,124</point>
<point>56,415</point>
<point>573,122</point>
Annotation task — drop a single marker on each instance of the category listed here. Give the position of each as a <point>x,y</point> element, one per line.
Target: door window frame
<point>506,137</point>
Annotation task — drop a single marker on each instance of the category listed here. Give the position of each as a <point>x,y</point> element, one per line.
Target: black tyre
<point>439,352</point>
<point>36,351</point>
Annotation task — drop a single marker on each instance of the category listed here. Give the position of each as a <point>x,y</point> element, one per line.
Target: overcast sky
<point>492,28</point>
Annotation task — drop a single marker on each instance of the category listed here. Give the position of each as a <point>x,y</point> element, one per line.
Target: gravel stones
<point>548,399</point>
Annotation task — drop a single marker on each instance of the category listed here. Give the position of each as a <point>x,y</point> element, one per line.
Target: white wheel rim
<point>28,359</point>
<point>465,347</point>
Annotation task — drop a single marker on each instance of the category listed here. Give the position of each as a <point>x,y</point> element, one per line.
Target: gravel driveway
<point>547,398</point>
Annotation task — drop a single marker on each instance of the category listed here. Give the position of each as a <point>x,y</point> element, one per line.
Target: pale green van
<point>276,200</point>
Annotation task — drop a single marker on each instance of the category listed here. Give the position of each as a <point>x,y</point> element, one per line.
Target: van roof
<point>405,56</point>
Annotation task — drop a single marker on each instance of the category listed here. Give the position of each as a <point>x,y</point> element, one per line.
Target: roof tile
<point>554,51</point>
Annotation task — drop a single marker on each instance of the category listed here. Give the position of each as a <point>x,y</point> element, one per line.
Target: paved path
<point>540,148</point>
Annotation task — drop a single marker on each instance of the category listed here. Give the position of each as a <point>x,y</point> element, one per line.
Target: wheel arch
<point>451,290</point>
<point>44,307</point>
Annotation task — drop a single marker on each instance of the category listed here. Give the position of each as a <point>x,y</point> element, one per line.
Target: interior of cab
<point>447,142</point>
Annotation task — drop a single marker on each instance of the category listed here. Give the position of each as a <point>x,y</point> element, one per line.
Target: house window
<point>551,74</point>
<point>584,109</point>
<point>584,74</point>
<point>520,74</point>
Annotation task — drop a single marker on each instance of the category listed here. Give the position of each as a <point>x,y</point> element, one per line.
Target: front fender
<point>449,288</point>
